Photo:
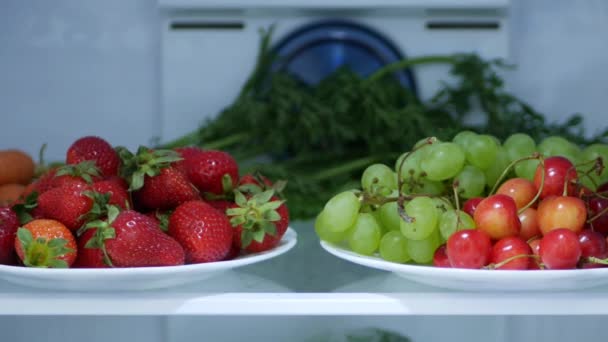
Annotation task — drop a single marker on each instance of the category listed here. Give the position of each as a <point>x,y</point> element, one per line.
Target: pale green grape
<point>462,138</point>
<point>423,186</point>
<point>519,145</point>
<point>393,247</point>
<point>422,251</point>
<point>590,153</point>
<point>526,168</point>
<point>425,215</point>
<point>480,150</point>
<point>378,176</point>
<point>365,235</point>
<point>388,216</point>
<point>442,161</point>
<point>442,204</point>
<point>323,229</point>
<point>471,182</point>
<point>558,146</point>
<point>341,210</point>
<point>449,222</point>
<point>411,165</point>
<point>498,167</point>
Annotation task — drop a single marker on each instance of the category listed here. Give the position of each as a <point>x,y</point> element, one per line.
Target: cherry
<point>469,248</point>
<point>521,190</point>
<point>598,205</point>
<point>593,244</point>
<point>497,216</point>
<point>529,224</point>
<point>560,249</point>
<point>534,246</point>
<point>509,248</point>
<point>561,212</point>
<point>440,258</point>
<point>557,171</point>
<point>471,205</point>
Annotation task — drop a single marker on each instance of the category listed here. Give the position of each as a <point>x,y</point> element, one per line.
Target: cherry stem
<point>535,155</point>
<point>509,259</point>
<point>455,185</point>
<point>598,166</point>
<point>540,188</point>
<point>598,215</point>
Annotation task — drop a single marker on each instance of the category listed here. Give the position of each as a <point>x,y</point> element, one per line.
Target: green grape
<point>442,204</point>
<point>462,138</point>
<point>411,165</point>
<point>341,210</point>
<point>590,153</point>
<point>365,235</point>
<point>526,168</point>
<point>558,146</point>
<point>519,145</point>
<point>498,167</point>
<point>449,222</point>
<point>480,150</point>
<point>388,216</point>
<point>425,215</point>
<point>322,227</point>
<point>378,176</point>
<point>442,161</point>
<point>471,181</point>
<point>422,251</point>
<point>393,247</point>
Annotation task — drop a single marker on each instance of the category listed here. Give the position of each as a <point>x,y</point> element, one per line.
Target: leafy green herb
<point>321,137</point>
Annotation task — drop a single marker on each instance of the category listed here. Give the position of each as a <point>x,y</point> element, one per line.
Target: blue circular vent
<point>316,50</point>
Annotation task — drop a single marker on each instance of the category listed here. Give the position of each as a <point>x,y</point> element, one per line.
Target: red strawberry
<point>42,184</point>
<point>255,183</point>
<point>89,257</point>
<point>204,232</point>
<point>187,153</point>
<point>117,190</point>
<point>221,205</point>
<point>67,204</point>
<point>262,231</point>
<point>214,172</point>
<point>154,182</point>
<point>45,243</point>
<point>235,251</point>
<point>83,173</point>
<point>161,218</point>
<point>131,239</point>
<point>8,228</point>
<point>97,150</point>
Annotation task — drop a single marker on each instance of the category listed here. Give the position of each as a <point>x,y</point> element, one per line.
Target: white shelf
<point>248,295</point>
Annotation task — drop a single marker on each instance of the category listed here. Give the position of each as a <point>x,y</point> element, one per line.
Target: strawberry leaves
<point>42,252</point>
<point>256,215</point>
<point>146,162</point>
<point>85,170</point>
<point>104,231</point>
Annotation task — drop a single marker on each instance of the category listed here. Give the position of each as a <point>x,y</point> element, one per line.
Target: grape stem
<point>540,188</point>
<point>598,167</point>
<point>535,155</point>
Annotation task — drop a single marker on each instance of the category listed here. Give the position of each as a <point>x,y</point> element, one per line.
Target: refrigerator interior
<point>69,69</point>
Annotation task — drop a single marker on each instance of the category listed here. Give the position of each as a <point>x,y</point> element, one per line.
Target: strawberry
<point>131,239</point>
<point>204,232</point>
<point>260,221</point>
<point>96,149</point>
<point>116,188</point>
<point>220,205</point>
<point>161,218</point>
<point>186,153</point>
<point>9,223</point>
<point>83,173</point>
<point>67,204</point>
<point>45,243</point>
<point>89,257</point>
<point>253,183</point>
<point>213,172</point>
<point>153,180</point>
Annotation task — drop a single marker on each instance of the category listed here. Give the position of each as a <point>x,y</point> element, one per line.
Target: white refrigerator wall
<point>71,68</point>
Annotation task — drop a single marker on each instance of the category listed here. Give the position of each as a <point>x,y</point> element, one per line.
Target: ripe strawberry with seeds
<point>45,243</point>
<point>161,218</point>
<point>211,171</point>
<point>260,221</point>
<point>83,173</point>
<point>67,204</point>
<point>131,239</point>
<point>9,222</point>
<point>253,183</point>
<point>154,182</point>
<point>96,149</point>
<point>116,189</point>
<point>187,154</point>
<point>89,257</point>
<point>203,231</point>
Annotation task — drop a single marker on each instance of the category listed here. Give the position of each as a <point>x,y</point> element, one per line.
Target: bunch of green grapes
<point>405,212</point>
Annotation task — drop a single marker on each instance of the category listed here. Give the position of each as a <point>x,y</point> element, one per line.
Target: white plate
<point>481,280</point>
<point>141,278</point>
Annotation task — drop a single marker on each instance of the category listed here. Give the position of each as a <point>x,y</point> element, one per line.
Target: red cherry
<point>561,212</point>
<point>521,190</point>
<point>596,206</point>
<point>529,224</point>
<point>534,246</point>
<point>511,247</point>
<point>440,258</point>
<point>471,205</point>
<point>497,216</point>
<point>560,249</point>
<point>593,244</point>
<point>469,248</point>
<point>558,171</point>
